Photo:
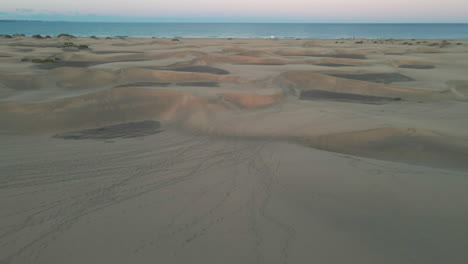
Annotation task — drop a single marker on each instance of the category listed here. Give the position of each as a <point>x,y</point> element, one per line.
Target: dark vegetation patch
<point>65,35</point>
<point>124,130</point>
<point>48,60</point>
<point>345,97</point>
<point>73,45</point>
<point>375,77</point>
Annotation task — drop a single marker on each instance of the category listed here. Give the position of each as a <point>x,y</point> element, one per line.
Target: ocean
<point>239,30</point>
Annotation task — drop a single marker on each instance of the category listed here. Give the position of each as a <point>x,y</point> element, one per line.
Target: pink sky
<point>368,10</point>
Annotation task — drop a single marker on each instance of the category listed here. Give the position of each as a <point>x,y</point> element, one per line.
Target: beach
<point>229,150</point>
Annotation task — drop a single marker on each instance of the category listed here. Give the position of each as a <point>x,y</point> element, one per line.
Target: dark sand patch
<point>203,69</point>
<point>142,84</point>
<point>116,51</point>
<point>344,56</point>
<point>60,64</point>
<point>201,84</point>
<point>24,50</point>
<point>374,77</point>
<point>394,53</point>
<point>37,45</point>
<point>263,63</point>
<point>166,84</point>
<point>334,65</point>
<point>345,97</point>
<point>196,68</point>
<point>330,55</point>
<point>414,66</point>
<point>125,130</point>
<point>79,64</point>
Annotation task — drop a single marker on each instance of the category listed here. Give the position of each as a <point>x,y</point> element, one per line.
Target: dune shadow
<point>374,77</point>
<point>345,97</point>
<point>124,130</point>
<point>201,84</point>
<point>415,66</point>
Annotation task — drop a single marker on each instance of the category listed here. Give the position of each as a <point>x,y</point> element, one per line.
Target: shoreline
<point>43,36</point>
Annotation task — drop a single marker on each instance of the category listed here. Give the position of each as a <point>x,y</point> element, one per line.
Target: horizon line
<point>220,22</point>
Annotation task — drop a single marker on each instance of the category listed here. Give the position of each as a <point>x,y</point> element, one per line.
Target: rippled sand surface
<point>233,151</point>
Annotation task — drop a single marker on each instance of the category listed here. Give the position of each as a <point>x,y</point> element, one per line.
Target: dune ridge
<point>409,145</point>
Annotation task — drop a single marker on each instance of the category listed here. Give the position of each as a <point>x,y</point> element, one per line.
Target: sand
<point>233,151</point>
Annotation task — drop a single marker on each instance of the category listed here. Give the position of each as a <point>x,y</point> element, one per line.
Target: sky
<point>314,11</point>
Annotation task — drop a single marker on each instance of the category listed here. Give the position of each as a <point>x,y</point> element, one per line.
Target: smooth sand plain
<point>233,151</point>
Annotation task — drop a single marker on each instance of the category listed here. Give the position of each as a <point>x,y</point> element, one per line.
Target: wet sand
<point>233,151</point>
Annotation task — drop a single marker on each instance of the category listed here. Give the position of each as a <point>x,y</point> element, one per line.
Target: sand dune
<point>75,77</point>
<point>338,62</point>
<point>349,54</point>
<point>299,81</point>
<point>233,151</point>
<point>238,59</point>
<point>414,64</point>
<point>96,109</point>
<point>459,88</point>
<point>23,81</point>
<point>425,50</point>
<point>408,145</point>
<point>145,43</point>
<point>251,100</point>
<point>313,43</point>
<point>131,75</point>
<point>120,105</point>
<point>246,52</point>
<point>185,67</point>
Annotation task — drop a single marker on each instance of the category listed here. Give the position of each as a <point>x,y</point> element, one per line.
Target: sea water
<point>239,30</point>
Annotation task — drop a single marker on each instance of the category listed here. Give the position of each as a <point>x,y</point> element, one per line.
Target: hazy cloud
<point>24,10</point>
